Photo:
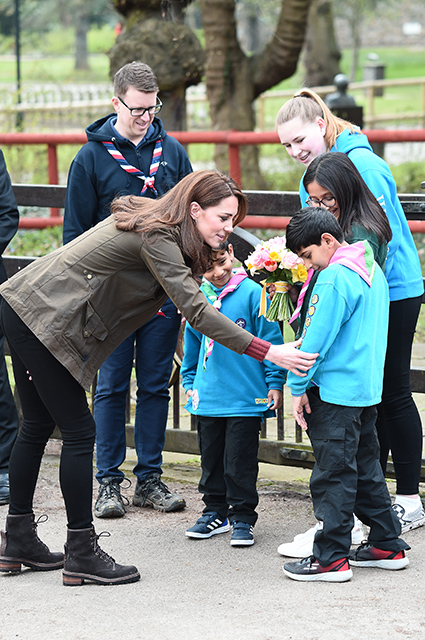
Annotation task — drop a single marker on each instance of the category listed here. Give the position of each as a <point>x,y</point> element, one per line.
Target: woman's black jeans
<point>399,424</point>
<point>49,396</point>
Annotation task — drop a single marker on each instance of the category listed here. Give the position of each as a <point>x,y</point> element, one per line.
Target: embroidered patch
<point>315,299</point>
<point>241,322</point>
<point>260,400</point>
<point>195,399</point>
<point>311,310</point>
<point>303,333</point>
<point>307,322</point>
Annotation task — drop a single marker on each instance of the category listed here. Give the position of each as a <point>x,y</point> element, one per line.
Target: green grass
<point>56,69</point>
<point>53,59</point>
<point>399,63</point>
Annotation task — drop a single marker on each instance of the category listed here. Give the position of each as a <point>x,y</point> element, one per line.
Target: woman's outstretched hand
<point>289,357</point>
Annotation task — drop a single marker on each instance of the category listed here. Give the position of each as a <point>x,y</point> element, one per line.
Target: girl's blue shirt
<point>402,269</point>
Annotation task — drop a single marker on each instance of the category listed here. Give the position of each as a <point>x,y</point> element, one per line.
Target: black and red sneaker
<point>308,569</point>
<point>369,556</point>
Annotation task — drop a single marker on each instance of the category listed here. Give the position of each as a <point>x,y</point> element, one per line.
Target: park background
<point>212,590</point>
<point>57,59</point>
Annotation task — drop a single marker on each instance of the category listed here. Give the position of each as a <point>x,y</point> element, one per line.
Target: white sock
<point>409,504</point>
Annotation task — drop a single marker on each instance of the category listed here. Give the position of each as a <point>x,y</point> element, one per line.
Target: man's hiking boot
<point>154,493</point>
<point>110,502</point>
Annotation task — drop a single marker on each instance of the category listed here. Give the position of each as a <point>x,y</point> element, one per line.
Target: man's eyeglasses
<point>327,201</point>
<point>140,111</point>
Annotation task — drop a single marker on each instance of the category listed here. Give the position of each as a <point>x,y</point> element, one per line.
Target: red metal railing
<point>233,139</point>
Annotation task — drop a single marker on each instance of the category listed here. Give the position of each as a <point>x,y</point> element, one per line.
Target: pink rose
<point>270,265</point>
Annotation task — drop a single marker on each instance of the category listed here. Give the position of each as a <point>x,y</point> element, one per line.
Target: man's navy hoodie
<point>95,178</point>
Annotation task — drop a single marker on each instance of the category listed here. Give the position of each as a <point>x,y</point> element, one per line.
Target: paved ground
<point>203,590</point>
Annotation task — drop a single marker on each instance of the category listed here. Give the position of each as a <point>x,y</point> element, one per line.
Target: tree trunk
<point>156,35</point>
<point>229,81</point>
<point>321,54</point>
<point>357,38</point>
<point>234,80</point>
<point>82,26</point>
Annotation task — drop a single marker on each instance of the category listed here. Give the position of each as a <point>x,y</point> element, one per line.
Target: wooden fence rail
<point>285,448</point>
<point>94,98</point>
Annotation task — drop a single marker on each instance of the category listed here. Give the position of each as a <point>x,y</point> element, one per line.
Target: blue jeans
<point>153,347</point>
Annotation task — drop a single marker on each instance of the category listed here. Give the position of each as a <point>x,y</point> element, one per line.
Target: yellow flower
<point>274,256</point>
<point>299,274</point>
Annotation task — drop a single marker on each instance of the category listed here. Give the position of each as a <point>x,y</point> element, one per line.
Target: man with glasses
<point>129,152</point>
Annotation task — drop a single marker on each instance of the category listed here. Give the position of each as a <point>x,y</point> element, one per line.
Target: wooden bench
<point>265,203</point>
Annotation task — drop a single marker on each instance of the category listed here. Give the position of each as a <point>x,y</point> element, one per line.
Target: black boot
<point>85,560</point>
<point>20,545</point>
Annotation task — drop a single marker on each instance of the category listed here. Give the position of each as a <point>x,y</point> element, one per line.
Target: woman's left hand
<point>289,357</point>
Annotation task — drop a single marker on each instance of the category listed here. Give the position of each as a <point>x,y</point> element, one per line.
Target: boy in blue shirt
<point>230,394</point>
<point>347,323</point>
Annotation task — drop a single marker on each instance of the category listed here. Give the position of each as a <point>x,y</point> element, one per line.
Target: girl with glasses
<point>333,182</point>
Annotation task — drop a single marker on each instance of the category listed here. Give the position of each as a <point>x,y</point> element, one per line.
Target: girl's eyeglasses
<point>327,201</point>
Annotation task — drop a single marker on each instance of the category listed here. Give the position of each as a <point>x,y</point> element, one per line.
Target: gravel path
<point>205,589</point>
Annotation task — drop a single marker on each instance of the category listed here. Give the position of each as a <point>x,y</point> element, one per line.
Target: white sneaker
<point>302,544</point>
<point>357,533</point>
<point>409,519</point>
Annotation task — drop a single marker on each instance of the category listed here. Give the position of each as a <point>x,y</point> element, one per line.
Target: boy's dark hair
<point>222,247</point>
<point>307,227</point>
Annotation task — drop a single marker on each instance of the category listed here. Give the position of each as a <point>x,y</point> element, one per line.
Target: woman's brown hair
<point>207,188</point>
<point>308,106</point>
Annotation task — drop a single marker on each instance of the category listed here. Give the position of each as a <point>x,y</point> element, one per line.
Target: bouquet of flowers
<point>283,269</point>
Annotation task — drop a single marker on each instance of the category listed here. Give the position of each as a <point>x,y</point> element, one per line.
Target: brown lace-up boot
<point>20,545</point>
<point>86,561</point>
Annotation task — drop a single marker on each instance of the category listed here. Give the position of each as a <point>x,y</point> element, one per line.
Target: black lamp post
<point>19,114</point>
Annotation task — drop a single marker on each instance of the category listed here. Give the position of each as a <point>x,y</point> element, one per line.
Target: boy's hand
<point>274,399</point>
<point>299,403</point>
<point>293,290</point>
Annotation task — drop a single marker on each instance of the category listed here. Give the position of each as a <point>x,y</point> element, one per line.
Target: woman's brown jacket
<point>84,299</point>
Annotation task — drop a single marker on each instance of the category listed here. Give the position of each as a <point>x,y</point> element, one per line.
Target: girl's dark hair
<point>307,227</point>
<point>357,205</point>
<point>207,188</point>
